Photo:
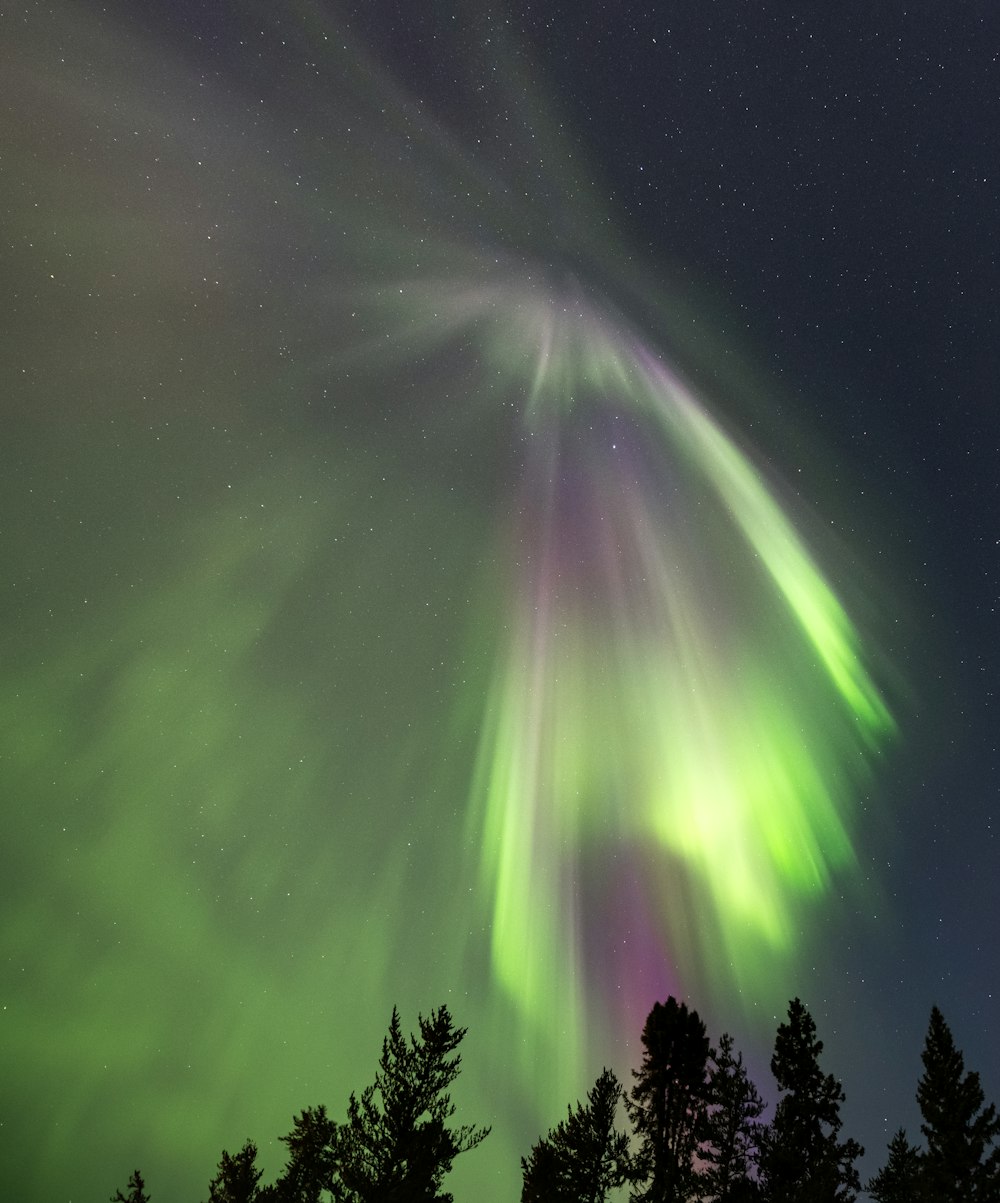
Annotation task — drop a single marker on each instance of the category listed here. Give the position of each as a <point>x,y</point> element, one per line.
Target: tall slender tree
<point>802,1158</point>
<point>668,1102</point>
<point>312,1160</point>
<point>900,1179</point>
<point>237,1177</point>
<point>583,1157</point>
<point>730,1138</point>
<point>397,1146</point>
<point>962,1160</point>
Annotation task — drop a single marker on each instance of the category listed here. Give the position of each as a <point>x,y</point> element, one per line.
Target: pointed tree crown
<point>962,1161</point>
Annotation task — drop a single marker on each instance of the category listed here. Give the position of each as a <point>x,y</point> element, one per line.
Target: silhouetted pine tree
<point>802,1160</point>
<point>962,1160</point>
<point>730,1138</point>
<point>237,1177</point>
<point>583,1157</point>
<point>396,1146</point>
<point>136,1191</point>
<point>899,1180</point>
<point>312,1160</point>
<point>668,1103</point>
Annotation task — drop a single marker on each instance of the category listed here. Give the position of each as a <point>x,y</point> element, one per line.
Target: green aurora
<point>388,621</point>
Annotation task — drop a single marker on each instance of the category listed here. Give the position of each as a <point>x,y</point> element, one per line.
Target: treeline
<point>694,1130</point>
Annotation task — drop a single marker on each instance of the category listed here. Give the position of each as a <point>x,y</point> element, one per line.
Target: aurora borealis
<point>628,713</point>
<point>427,578</point>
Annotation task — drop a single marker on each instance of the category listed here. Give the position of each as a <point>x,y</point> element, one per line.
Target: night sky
<point>499,506</point>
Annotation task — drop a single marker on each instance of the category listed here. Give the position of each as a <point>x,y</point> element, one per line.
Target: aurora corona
<point>677,685</point>
<point>430,631</point>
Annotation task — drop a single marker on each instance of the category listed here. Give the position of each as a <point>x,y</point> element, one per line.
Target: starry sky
<point>498,506</point>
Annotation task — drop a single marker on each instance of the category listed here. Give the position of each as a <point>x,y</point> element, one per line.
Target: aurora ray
<point>678,675</point>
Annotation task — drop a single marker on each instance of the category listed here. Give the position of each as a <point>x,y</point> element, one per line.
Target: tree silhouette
<point>730,1137</point>
<point>583,1157</point>
<point>136,1191</point>
<point>312,1160</point>
<point>802,1160</point>
<point>396,1146</point>
<point>899,1180</point>
<point>237,1177</point>
<point>696,1119</point>
<point>668,1102</point>
<point>959,1163</point>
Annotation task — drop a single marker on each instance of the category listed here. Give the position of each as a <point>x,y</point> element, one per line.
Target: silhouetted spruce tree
<point>583,1157</point>
<point>237,1177</point>
<point>312,1160</point>
<point>729,1145</point>
<point>899,1180</point>
<point>136,1191</point>
<point>396,1146</point>
<point>962,1160</point>
<point>802,1160</point>
<point>668,1103</point>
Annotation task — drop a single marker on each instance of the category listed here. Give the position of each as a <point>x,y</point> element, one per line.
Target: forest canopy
<point>690,1129</point>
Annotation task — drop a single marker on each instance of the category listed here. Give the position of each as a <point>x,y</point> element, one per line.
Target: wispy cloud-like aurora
<point>394,615</point>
